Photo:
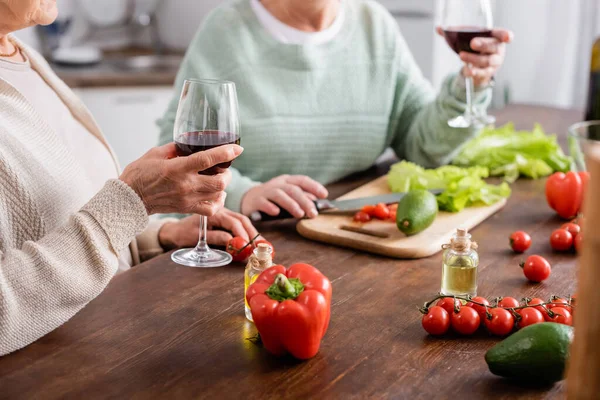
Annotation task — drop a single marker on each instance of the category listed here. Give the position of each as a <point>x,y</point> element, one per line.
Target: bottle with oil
<point>260,260</point>
<point>460,263</point>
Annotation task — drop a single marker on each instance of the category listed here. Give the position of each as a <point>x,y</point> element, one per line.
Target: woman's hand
<point>490,56</point>
<point>295,193</point>
<point>170,184</point>
<point>184,233</point>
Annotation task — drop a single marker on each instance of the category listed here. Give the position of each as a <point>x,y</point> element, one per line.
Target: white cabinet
<point>127,116</point>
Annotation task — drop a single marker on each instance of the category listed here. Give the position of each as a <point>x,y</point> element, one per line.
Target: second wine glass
<point>462,21</point>
<point>207,117</point>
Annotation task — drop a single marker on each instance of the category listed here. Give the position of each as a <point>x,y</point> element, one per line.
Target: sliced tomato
<point>381,211</point>
<point>362,217</point>
<point>368,209</point>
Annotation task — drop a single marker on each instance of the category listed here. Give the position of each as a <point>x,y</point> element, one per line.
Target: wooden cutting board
<point>326,228</point>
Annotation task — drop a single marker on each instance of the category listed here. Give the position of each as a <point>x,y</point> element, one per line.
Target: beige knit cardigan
<point>58,249</point>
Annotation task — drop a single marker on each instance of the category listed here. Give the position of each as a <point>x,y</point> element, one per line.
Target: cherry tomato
<point>578,221</point>
<point>529,316</point>
<point>573,229</point>
<point>368,209</point>
<point>480,309</point>
<point>561,240</point>
<point>437,321</point>
<point>536,301</point>
<point>520,241</point>
<point>508,302</point>
<point>393,207</point>
<point>381,211</point>
<point>559,302</point>
<point>501,322</point>
<point>257,242</point>
<point>239,249</point>
<point>466,321</point>
<point>562,316</point>
<point>536,268</point>
<point>579,242</point>
<point>447,304</point>
<point>362,217</point>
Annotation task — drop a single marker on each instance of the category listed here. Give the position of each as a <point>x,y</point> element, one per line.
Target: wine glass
<point>462,21</point>
<point>207,117</point>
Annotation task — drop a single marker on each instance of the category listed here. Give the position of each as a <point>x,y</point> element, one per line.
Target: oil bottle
<point>259,261</point>
<point>460,263</point>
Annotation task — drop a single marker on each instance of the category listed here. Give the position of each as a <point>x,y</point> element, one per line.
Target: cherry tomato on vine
<point>562,316</point>
<point>381,211</point>
<point>436,321</point>
<point>500,322</point>
<point>447,304</point>
<point>536,268</point>
<point>520,241</point>
<point>466,321</point>
<point>362,217</point>
<point>561,240</point>
<point>573,229</point>
<point>529,316</point>
<point>559,302</point>
<point>535,302</point>
<point>239,248</point>
<point>480,309</point>
<point>508,302</point>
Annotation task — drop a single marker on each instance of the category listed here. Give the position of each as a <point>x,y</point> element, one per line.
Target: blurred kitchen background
<point>121,56</point>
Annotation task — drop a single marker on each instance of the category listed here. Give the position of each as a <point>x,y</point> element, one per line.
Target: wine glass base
<point>210,259</point>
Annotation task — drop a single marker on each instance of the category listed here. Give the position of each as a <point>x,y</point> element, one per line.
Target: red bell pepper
<point>291,309</point>
<point>564,193</point>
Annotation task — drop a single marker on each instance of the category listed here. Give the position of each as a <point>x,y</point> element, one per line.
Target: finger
<point>205,204</point>
<point>166,152</point>
<point>479,61</point>
<point>304,202</point>
<point>204,160</point>
<point>482,76</point>
<point>439,30</point>
<point>283,200</point>
<point>264,205</point>
<point>233,225</point>
<point>218,238</point>
<point>211,183</point>
<point>246,223</point>
<point>486,45</point>
<point>308,185</point>
<point>503,35</point>
<point>311,196</point>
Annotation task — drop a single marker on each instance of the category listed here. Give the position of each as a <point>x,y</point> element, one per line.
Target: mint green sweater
<point>323,110</point>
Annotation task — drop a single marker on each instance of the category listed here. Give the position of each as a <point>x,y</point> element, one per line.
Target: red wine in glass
<point>192,142</point>
<point>459,37</point>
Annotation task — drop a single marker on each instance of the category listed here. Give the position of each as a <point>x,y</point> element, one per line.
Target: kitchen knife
<point>337,207</point>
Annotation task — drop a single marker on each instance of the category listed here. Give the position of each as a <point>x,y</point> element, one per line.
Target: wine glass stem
<point>202,248</point>
<point>469,88</point>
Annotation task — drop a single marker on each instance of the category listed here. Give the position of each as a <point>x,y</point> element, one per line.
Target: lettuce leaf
<point>510,153</point>
<point>464,187</point>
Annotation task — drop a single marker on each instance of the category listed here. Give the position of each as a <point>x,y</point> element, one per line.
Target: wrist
<point>167,236</point>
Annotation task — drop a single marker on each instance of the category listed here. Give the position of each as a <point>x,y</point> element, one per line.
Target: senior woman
<point>68,220</point>
<point>325,86</point>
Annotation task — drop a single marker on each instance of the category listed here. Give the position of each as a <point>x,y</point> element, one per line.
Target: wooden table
<point>165,331</point>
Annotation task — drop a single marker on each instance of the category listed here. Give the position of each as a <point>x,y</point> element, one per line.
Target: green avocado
<point>416,212</point>
<point>537,352</point>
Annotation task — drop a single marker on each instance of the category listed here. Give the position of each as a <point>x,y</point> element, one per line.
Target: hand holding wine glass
<point>467,26</point>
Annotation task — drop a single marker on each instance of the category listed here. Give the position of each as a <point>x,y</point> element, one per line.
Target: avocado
<point>537,352</point>
<point>416,212</point>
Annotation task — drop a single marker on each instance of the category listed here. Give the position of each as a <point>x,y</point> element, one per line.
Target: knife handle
<point>259,216</point>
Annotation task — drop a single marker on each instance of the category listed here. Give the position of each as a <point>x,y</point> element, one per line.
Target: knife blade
<point>337,207</point>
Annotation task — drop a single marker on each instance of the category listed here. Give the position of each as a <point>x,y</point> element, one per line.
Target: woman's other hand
<point>490,56</point>
<point>294,193</point>
<point>221,227</point>
<point>170,184</point>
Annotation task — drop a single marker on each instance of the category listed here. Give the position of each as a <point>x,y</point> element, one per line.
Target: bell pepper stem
<point>285,285</point>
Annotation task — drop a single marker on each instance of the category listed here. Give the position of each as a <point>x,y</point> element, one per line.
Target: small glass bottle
<point>460,263</point>
<point>259,261</point>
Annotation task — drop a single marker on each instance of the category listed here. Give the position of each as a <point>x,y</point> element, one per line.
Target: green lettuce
<point>510,153</point>
<point>463,187</point>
